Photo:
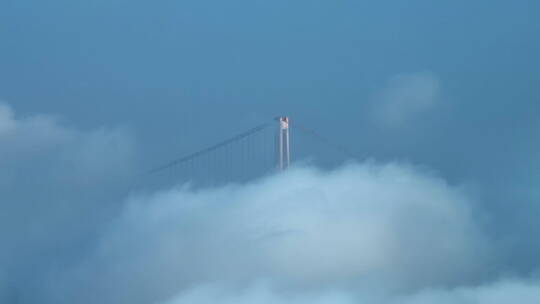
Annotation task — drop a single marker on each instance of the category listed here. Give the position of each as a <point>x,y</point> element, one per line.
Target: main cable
<point>326,141</point>
<point>209,149</point>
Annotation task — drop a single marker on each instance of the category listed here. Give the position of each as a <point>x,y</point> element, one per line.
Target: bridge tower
<point>284,152</point>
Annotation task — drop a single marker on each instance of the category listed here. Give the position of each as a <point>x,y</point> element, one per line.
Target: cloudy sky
<point>439,101</point>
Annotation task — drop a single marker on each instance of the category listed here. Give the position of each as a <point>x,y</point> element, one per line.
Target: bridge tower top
<point>284,152</point>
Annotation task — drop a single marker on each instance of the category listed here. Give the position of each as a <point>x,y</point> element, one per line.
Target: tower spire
<point>284,148</point>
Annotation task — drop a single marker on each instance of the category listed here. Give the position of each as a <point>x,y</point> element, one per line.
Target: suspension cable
<point>209,149</point>
<point>326,141</point>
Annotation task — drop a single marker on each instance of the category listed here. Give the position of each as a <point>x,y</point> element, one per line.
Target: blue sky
<point>158,67</point>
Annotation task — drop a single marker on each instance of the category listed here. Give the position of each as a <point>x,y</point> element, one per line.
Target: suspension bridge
<point>261,150</point>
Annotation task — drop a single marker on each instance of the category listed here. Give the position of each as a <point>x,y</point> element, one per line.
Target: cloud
<point>7,123</point>
<point>509,291</point>
<point>377,233</point>
<point>42,143</point>
<point>363,227</point>
<point>501,292</point>
<point>57,185</point>
<point>260,294</point>
<point>405,98</point>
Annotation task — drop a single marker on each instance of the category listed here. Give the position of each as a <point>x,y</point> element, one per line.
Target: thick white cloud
<point>363,227</point>
<point>405,98</point>
<point>514,291</point>
<point>366,233</point>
